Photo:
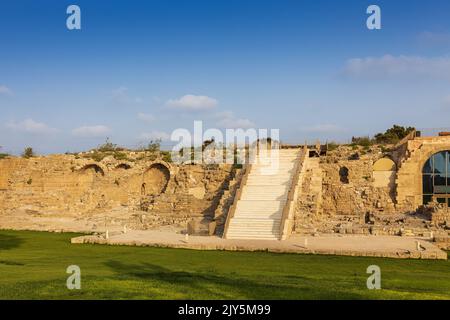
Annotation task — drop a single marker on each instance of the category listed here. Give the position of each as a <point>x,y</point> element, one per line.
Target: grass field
<point>33,266</point>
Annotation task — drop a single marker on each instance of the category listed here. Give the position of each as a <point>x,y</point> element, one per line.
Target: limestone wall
<point>409,177</point>
<point>352,187</point>
<point>73,184</point>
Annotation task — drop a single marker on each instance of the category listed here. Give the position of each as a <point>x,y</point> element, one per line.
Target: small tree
<point>28,152</point>
<point>393,135</point>
<point>154,146</point>
<point>361,141</point>
<point>107,146</point>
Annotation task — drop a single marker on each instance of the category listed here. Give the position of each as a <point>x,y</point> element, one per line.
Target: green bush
<point>153,146</point>
<point>166,156</point>
<point>332,146</point>
<point>361,141</point>
<point>393,135</point>
<point>120,156</point>
<point>96,156</point>
<point>28,153</point>
<point>107,146</point>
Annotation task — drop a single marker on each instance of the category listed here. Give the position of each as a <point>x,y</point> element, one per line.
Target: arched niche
<point>343,175</point>
<point>123,166</point>
<point>155,179</point>
<point>384,173</point>
<point>92,168</point>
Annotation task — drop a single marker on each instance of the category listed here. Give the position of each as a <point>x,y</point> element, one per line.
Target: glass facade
<point>436,178</point>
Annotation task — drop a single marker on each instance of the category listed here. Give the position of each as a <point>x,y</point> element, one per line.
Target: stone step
<point>281,181</point>
<point>243,204</point>
<point>253,237</point>
<point>273,166</point>
<point>258,230</point>
<point>267,216</point>
<point>265,189</point>
<point>279,176</point>
<point>264,194</point>
<point>261,197</point>
<point>275,169</point>
<point>274,159</point>
<point>269,183</point>
<point>259,211</point>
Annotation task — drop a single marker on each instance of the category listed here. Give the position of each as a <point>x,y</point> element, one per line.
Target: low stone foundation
<point>363,246</point>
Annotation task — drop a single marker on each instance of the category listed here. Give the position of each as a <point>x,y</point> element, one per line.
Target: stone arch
<point>155,179</point>
<point>343,175</point>
<point>384,173</point>
<point>89,175</point>
<point>124,166</point>
<point>384,164</point>
<point>409,182</point>
<point>94,168</point>
<point>436,177</point>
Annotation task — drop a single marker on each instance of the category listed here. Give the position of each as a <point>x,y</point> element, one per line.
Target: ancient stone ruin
<point>403,190</point>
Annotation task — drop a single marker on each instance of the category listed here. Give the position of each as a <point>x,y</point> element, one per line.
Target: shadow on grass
<point>203,284</point>
<point>8,242</point>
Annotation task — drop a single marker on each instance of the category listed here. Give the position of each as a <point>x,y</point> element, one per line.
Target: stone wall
<point>371,190</point>
<point>350,189</point>
<point>409,177</point>
<point>73,184</point>
<point>349,186</point>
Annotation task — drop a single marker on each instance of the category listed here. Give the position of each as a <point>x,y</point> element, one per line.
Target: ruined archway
<point>88,175</point>
<point>384,172</point>
<point>92,169</point>
<point>155,179</point>
<point>436,178</point>
<point>123,166</point>
<point>343,175</point>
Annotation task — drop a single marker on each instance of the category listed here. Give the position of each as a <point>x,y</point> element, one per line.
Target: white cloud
<point>121,95</point>
<point>323,128</point>
<point>155,135</point>
<point>401,66</point>
<point>91,131</point>
<point>146,117</point>
<point>4,90</point>
<point>227,120</point>
<point>30,126</point>
<point>192,102</point>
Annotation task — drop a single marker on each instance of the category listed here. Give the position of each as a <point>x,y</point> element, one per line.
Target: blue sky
<point>140,69</point>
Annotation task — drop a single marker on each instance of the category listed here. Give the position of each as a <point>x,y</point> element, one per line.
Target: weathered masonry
<point>395,190</point>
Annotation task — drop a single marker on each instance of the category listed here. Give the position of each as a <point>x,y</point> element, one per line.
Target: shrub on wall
<point>28,153</point>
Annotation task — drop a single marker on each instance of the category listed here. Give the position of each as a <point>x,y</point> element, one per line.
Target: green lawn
<point>33,266</point>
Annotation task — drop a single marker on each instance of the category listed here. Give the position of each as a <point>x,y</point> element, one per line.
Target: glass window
<point>436,178</point>
<point>428,167</point>
<point>440,162</point>
<point>427,184</point>
<point>440,179</point>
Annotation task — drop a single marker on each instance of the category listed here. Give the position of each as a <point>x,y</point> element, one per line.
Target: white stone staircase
<point>259,210</point>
